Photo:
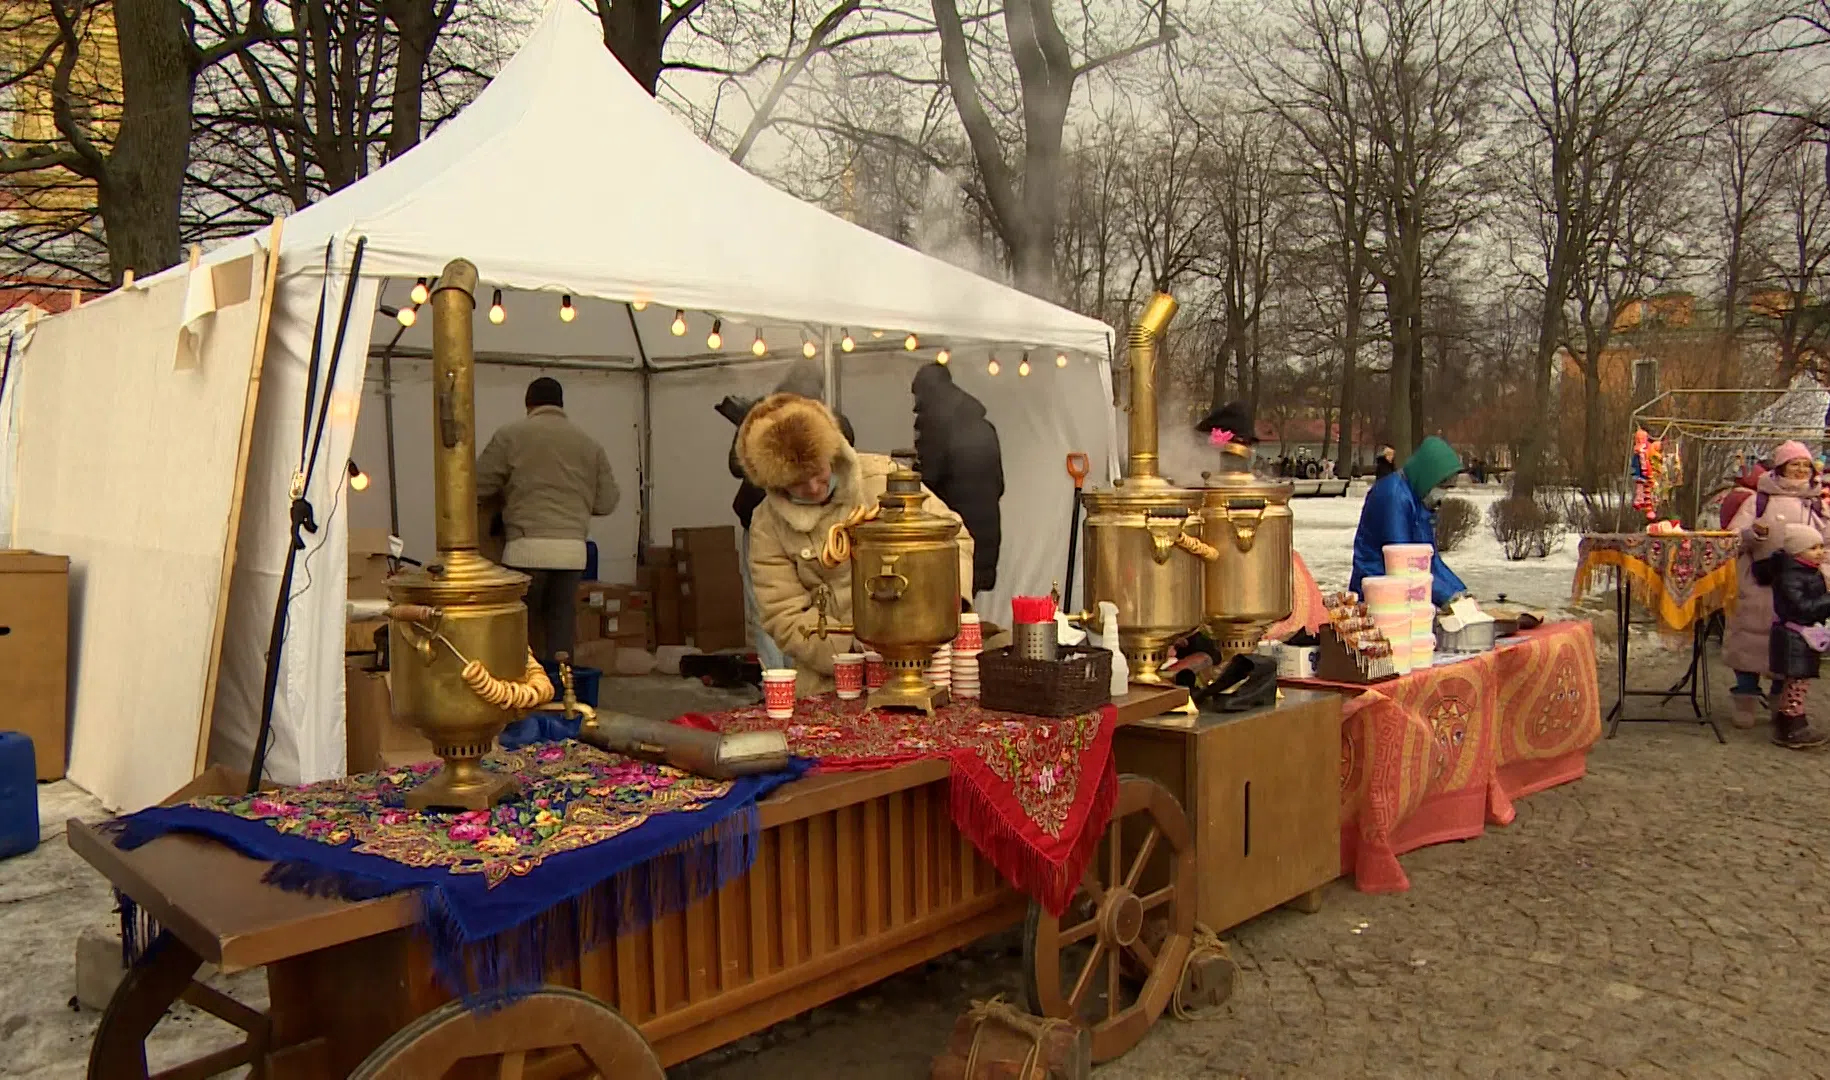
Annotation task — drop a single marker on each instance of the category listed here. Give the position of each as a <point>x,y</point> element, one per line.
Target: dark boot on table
<point>1794,732</point>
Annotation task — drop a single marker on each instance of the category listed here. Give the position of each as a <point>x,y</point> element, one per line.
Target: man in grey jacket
<point>551,479</point>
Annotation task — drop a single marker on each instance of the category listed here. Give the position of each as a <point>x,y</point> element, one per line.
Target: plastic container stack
<point>1388,601</point>
<point>1412,562</point>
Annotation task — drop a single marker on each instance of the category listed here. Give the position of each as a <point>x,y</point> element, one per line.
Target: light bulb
<point>679,326</point>
<point>566,311</point>
<point>1023,368</point>
<point>407,316</point>
<point>358,480</point>
<point>639,305</point>
<point>757,347</point>
<point>910,343</point>
<point>1061,359</point>
<point>420,292</point>
<point>993,368</point>
<point>715,340</point>
<point>942,357</point>
<point>497,313</point>
<point>808,349</point>
<point>876,333</point>
<point>847,343</point>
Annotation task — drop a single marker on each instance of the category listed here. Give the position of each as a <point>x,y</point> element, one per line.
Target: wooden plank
<point>921,840</point>
<point>733,904</point>
<point>794,893</point>
<point>873,867</point>
<point>701,944</point>
<point>242,453</point>
<point>848,872</point>
<point>823,886</point>
<point>899,858</point>
<point>765,906</point>
<point>634,998</point>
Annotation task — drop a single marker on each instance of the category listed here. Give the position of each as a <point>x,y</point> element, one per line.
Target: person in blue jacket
<point>1401,509</point>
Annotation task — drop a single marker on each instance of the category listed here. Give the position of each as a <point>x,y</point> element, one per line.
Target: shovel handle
<point>1078,466</point>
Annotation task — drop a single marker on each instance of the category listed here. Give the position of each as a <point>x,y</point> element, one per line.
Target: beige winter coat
<point>785,543</point>
<point>552,479</point>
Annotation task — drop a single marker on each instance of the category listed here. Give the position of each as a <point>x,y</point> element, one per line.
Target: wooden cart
<point>859,876</point>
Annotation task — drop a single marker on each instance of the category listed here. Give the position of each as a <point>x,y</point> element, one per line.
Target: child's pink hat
<point>1791,450</point>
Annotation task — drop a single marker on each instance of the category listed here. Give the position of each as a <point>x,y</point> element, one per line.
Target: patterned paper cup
<point>874,672</point>
<point>848,673</point>
<point>778,693</point>
<point>971,637</point>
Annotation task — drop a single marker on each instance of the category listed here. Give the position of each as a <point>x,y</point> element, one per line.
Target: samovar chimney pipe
<point>454,409</point>
<point>1145,336</point>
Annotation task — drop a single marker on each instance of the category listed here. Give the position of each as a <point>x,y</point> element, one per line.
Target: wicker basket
<point>1080,681</point>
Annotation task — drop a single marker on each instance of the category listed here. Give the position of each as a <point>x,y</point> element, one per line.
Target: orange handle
<point>1078,466</point>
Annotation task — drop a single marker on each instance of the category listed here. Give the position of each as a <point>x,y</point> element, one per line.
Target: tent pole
<point>645,451</point>
<point>387,413</point>
<point>829,370</point>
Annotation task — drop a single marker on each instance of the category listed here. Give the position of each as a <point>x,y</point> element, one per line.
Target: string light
<point>808,349</point>
<point>679,324</point>
<point>358,480</point>
<point>407,316</point>
<point>1061,359</point>
<point>847,343</point>
<point>420,292</point>
<point>1023,368</point>
<point>497,313</point>
<point>566,311</point>
<point>715,339</point>
<point>993,368</point>
<point>910,343</point>
<point>942,357</point>
<point>876,333</point>
<point>639,305</point>
<point>757,347</point>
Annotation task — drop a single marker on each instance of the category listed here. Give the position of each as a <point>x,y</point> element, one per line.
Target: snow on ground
<point>1324,538</point>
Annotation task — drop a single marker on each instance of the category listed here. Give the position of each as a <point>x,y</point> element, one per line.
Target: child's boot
<point>1794,732</point>
<point>1747,710</point>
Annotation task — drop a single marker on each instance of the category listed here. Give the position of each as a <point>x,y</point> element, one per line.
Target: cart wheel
<point>551,1018</point>
<point>1143,872</point>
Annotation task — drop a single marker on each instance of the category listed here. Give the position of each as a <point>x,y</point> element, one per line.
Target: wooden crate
<point>1263,790</point>
<point>35,653</point>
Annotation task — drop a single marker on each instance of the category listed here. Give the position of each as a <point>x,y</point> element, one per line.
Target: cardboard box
<point>711,599</point>
<point>710,540</point>
<point>663,579</point>
<point>35,653</point>
<point>373,739</point>
<point>368,564</point>
<point>359,636</point>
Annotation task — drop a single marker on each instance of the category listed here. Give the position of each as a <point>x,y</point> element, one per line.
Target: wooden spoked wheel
<point>1112,962</point>
<point>499,1044</point>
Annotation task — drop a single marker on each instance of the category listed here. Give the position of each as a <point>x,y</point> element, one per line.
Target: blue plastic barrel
<point>590,560</point>
<point>18,795</point>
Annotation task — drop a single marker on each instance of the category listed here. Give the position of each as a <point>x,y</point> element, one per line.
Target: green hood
<point>1431,464</point>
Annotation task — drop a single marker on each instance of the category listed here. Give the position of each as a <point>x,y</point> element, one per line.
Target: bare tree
<point>1596,89</point>
<point>1796,264</point>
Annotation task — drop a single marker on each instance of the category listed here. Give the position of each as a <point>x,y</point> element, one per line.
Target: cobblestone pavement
<point>1668,916</point>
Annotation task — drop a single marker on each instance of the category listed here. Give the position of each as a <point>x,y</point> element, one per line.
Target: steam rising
<point>1184,452</point>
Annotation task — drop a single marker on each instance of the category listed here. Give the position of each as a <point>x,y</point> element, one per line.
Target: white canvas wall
<point>129,467</point>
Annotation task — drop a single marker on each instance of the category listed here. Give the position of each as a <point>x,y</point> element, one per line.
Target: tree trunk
<point>417,23</point>
<point>1530,471</point>
<point>1350,360</point>
<point>1592,449</point>
<point>632,32</point>
<point>1398,432</point>
<point>141,186</point>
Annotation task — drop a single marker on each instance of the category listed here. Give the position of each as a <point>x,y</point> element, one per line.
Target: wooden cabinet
<point>1262,790</point>
<point>35,653</point>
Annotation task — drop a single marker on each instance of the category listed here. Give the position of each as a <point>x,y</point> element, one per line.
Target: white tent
<point>564,179</point>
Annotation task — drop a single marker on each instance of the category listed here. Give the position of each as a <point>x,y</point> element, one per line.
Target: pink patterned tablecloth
<point>1439,754</point>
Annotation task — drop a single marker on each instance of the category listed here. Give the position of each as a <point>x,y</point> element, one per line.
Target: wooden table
<point>859,876</point>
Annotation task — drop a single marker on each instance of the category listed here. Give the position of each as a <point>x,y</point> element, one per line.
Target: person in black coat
<point>1386,463</point>
<point>961,463</point>
<point>1801,603</point>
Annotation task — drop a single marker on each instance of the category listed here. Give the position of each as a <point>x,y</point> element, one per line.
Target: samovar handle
<point>1244,535</point>
<point>1164,532</point>
<point>894,584</point>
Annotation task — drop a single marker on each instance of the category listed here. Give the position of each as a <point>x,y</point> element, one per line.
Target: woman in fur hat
<point>1786,496</point>
<point>1798,638</point>
<point>792,448</point>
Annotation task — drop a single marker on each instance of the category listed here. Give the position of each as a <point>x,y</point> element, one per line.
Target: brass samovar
<point>905,590</point>
<point>1142,551</point>
<point>1247,522</point>
<point>458,628</point>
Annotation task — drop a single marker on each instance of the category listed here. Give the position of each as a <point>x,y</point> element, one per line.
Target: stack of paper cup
<point>874,672</point>
<point>940,668</point>
<point>848,675</point>
<point>966,649</point>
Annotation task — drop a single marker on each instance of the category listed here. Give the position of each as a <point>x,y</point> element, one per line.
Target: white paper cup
<point>778,693</point>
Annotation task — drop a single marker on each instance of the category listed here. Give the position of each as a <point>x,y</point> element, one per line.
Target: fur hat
<point>785,439</point>
<point>1801,538</point>
<point>1789,452</point>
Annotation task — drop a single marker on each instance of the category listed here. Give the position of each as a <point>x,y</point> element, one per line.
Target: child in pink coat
<point>1788,495</point>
